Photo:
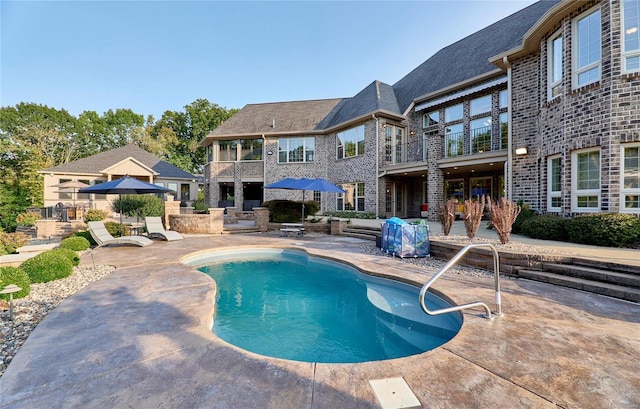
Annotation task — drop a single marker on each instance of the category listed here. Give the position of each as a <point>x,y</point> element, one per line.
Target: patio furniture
<point>102,236</point>
<point>155,228</point>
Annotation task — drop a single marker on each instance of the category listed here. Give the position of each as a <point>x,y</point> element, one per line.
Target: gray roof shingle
<point>95,163</point>
<point>469,57</point>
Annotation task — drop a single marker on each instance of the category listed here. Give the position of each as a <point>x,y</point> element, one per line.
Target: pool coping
<point>138,337</point>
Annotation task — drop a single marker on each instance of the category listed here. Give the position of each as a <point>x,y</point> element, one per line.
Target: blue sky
<point>153,56</point>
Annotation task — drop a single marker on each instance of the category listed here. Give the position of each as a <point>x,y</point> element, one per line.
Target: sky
<point>154,56</point>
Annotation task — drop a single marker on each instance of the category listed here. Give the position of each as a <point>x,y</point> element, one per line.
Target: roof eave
<point>458,86</point>
<point>533,36</point>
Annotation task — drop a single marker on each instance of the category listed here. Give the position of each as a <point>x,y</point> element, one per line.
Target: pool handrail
<point>451,263</point>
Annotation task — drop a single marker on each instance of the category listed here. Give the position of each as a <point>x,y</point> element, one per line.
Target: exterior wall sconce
<point>522,151</point>
<point>269,153</point>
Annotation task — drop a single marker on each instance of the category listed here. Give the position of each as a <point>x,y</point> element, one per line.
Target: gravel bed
<point>42,299</point>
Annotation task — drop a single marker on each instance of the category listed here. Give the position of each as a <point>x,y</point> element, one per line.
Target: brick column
<point>45,228</point>
<point>216,220</point>
<point>337,226</point>
<point>261,218</point>
<point>170,207</point>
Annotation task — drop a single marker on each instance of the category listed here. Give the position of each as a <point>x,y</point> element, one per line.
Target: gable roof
<point>277,118</point>
<point>103,160</point>
<point>469,57</point>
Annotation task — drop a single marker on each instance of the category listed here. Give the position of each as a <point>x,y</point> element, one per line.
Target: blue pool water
<point>287,304</point>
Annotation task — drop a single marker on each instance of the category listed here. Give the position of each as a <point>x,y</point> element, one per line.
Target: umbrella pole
<point>303,206</point>
<point>120,213</point>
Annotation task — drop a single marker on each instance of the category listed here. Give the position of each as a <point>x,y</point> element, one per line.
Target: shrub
<point>71,255</point>
<point>95,215</point>
<point>28,219</point>
<point>47,266</point>
<point>604,229</point>
<point>503,214</point>
<point>525,214</point>
<point>140,206</point>
<point>75,243</point>
<point>114,229</point>
<point>546,227</point>
<point>447,215</point>
<point>473,212</point>
<point>86,235</point>
<point>11,241</point>
<point>17,276</point>
<point>283,211</point>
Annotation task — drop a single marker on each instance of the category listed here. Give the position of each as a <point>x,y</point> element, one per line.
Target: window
<point>454,189</point>
<point>631,35</point>
<point>350,142</point>
<point>393,144</point>
<point>480,187</point>
<point>587,49</point>
<point>586,181</point>
<point>431,119</point>
<point>481,135</point>
<point>454,137</point>
<point>251,149</point>
<point>480,105</point>
<point>554,183</point>
<point>227,151</point>
<point>173,186</point>
<point>504,99</point>
<point>555,66</point>
<point>209,149</point>
<point>453,113</point>
<point>64,194</point>
<point>300,149</point>
<point>317,197</point>
<point>504,130</point>
<point>630,192</point>
<point>352,199</point>
<point>83,196</point>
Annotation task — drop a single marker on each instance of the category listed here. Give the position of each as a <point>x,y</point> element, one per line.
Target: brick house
<point>542,106</point>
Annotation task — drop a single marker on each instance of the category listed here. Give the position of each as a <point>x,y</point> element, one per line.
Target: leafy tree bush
<point>95,215</point>
<point>69,254</point>
<point>47,266</point>
<point>546,227</point>
<point>140,206</point>
<point>28,219</point>
<point>283,211</point>
<point>525,214</point>
<point>75,243</point>
<point>9,242</point>
<point>351,214</point>
<point>17,276</point>
<point>114,229</point>
<point>604,229</point>
<point>86,235</point>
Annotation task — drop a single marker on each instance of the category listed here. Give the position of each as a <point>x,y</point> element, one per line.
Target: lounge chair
<point>102,236</point>
<point>155,229</point>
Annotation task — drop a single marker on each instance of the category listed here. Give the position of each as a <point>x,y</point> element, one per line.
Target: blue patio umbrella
<point>124,186</point>
<point>318,184</point>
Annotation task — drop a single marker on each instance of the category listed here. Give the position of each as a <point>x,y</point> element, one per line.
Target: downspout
<point>377,164</point>
<point>509,165</point>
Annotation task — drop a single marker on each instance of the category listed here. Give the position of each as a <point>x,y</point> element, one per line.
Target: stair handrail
<point>451,263</point>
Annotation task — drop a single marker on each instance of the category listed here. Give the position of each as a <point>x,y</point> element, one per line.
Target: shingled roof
<point>454,64</point>
<point>94,164</point>
<point>277,117</point>
<point>469,57</point>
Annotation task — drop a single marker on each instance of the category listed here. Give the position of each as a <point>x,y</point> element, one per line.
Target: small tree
<point>447,215</point>
<point>473,211</point>
<point>503,214</point>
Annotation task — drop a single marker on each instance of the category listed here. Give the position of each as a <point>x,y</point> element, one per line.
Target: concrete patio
<point>140,338</point>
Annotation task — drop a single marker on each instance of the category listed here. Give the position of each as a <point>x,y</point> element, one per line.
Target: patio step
<point>623,285</point>
<point>362,232</point>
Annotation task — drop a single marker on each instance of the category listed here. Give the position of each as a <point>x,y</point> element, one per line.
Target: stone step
<point>36,248</point>
<point>593,274</point>
<point>605,265</point>
<point>364,236</point>
<point>611,290</point>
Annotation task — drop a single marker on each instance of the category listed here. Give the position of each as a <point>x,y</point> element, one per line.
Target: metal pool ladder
<point>451,263</point>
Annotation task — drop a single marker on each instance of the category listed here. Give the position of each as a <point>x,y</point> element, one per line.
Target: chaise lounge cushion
<point>102,236</point>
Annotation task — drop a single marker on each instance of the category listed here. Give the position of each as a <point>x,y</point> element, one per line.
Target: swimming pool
<point>287,304</point>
